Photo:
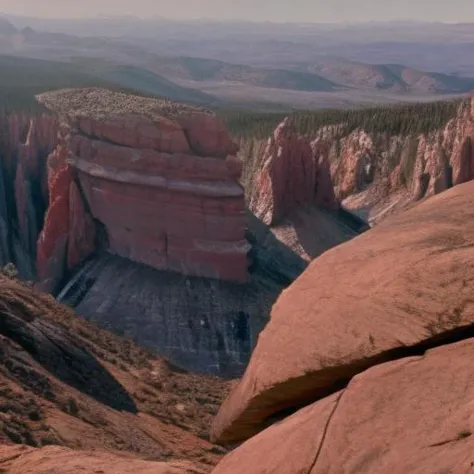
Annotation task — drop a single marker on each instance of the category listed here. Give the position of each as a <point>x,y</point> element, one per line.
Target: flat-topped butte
<point>98,104</point>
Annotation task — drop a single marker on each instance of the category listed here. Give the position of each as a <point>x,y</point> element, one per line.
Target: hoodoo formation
<point>381,160</point>
<point>294,173</point>
<point>378,175</point>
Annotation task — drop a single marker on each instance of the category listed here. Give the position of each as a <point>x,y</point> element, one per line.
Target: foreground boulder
<point>413,415</point>
<point>406,283</point>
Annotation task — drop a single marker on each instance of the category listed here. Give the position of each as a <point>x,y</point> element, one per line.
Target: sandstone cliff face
<point>132,188</point>
<point>165,187</point>
<point>88,198</point>
<point>68,235</point>
<point>294,173</point>
<point>289,188</point>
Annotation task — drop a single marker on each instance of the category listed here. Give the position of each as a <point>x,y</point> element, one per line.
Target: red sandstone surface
<point>414,415</point>
<point>67,384</point>
<point>164,183</point>
<point>406,282</point>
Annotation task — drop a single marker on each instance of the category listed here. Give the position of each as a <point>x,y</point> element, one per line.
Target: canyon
<point>146,216</point>
<point>130,209</point>
<point>148,219</point>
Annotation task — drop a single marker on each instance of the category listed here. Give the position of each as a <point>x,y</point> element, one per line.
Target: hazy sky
<point>259,10</point>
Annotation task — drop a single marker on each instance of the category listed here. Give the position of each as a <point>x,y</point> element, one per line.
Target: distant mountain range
<point>22,78</point>
<point>142,66</point>
<point>395,77</point>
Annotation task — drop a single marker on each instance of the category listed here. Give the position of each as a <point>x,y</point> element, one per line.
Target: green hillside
<point>144,81</point>
<point>22,78</point>
<point>200,69</point>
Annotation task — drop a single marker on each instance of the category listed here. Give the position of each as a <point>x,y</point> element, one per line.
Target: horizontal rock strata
<point>163,183</point>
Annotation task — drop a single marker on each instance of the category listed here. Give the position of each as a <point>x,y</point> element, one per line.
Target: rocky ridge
<point>377,175</point>
<point>66,385</point>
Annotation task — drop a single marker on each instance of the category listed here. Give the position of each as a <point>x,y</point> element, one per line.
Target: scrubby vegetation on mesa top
<point>406,119</point>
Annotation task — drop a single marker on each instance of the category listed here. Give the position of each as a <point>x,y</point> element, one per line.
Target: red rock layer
<point>295,172</point>
<point>163,203</point>
<point>68,232</point>
<point>162,181</point>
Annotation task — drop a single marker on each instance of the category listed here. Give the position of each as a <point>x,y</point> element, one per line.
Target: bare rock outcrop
<point>294,173</point>
<point>406,283</point>
<point>411,415</point>
<point>160,178</point>
<point>67,385</point>
<point>53,240</point>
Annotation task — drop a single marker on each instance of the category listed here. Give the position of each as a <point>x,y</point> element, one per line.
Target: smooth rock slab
<point>414,415</point>
<point>408,281</point>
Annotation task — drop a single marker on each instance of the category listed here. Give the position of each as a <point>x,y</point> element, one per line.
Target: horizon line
<point>104,16</point>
